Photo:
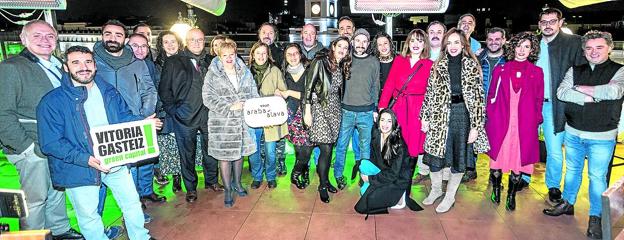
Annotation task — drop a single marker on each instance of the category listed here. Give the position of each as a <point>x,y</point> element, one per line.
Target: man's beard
<point>76,78</point>
<point>112,46</point>
<point>360,51</point>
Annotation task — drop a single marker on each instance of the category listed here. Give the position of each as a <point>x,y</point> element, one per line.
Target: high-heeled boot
<point>295,178</point>
<point>496,177</point>
<point>514,182</point>
<point>323,194</point>
<point>305,175</point>
<point>177,183</point>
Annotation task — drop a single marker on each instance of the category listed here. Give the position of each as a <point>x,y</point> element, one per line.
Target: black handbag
<point>394,99</point>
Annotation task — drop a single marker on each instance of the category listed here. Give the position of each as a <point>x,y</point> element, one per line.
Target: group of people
<point>432,106</point>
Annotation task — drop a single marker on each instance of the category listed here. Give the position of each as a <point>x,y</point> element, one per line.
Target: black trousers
<point>186,138</point>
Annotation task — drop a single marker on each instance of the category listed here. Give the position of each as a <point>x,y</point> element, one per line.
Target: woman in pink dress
<point>409,93</point>
<point>514,107</point>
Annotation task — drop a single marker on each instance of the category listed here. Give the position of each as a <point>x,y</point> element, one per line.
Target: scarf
<point>258,72</point>
<point>113,61</point>
<point>295,70</point>
<point>386,59</point>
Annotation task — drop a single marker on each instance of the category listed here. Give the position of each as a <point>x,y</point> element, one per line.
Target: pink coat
<point>408,104</point>
<point>529,109</point>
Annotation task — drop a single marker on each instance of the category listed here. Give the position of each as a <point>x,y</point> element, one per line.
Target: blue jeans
<point>554,152</point>
<point>599,154</point>
<point>363,122</point>
<point>85,202</point>
<point>143,183</point>
<point>258,166</point>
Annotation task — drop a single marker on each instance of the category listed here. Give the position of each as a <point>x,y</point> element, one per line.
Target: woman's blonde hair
<point>228,43</point>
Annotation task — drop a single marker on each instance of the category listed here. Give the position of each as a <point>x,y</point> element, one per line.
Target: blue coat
<point>64,132</point>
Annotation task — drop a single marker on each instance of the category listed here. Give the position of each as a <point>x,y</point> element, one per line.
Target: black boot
<point>514,181</point>
<point>594,230</point>
<point>305,175</point>
<point>323,194</point>
<point>564,207</point>
<point>281,167</point>
<point>295,178</point>
<point>496,177</point>
<point>355,170</point>
<point>177,183</point>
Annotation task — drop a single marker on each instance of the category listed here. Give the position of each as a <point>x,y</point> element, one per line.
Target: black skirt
<point>458,155</point>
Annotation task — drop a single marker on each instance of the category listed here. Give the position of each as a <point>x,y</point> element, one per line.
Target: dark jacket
<point>64,131</point>
<point>277,53</point>
<point>131,78</point>
<point>386,187</point>
<point>564,51</point>
<point>318,80</point>
<point>22,85</point>
<point>180,90</point>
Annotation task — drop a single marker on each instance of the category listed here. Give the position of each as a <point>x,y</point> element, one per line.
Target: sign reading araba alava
<point>124,143</point>
<point>265,111</point>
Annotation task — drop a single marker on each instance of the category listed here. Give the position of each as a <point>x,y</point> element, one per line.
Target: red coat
<point>408,104</point>
<point>529,109</point>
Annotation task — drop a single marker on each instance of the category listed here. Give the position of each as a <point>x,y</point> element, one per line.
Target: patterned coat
<point>228,136</point>
<point>436,107</point>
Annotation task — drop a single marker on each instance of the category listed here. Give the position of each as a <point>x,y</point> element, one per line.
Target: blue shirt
<point>94,108</point>
<point>474,45</point>
<point>52,68</point>
<point>544,63</point>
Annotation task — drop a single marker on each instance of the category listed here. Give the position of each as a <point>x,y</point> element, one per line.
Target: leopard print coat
<point>436,107</point>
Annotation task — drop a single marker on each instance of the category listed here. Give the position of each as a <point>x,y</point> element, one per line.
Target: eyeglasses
<point>198,40</point>
<point>549,22</point>
<point>139,46</point>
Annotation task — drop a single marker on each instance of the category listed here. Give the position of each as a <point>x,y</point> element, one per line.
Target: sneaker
<point>272,184</point>
<point>148,218</point>
<point>113,232</point>
<point>341,183</point>
<point>594,230</point>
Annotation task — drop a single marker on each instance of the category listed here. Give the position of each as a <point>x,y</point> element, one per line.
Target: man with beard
<point>267,33</point>
<point>180,91</point>
<point>435,31</point>
<point>130,76</point>
<point>64,117</point>
<point>25,78</point>
<point>143,173</point>
<point>467,23</point>
<point>558,52</point>
<point>309,43</point>
<point>359,103</point>
<point>492,55</point>
<point>345,27</point>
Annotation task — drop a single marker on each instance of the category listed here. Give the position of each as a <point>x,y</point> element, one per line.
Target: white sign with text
<point>265,111</point>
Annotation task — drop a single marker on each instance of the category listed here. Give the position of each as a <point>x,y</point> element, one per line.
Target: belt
<point>457,98</point>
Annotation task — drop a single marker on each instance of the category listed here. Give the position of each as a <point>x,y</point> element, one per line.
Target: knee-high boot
<point>496,177</point>
<point>451,190</point>
<point>514,182</point>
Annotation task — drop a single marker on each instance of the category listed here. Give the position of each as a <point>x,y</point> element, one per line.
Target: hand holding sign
<point>95,163</point>
<point>237,106</point>
<point>157,122</point>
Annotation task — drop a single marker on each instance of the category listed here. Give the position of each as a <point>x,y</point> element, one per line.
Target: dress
<point>169,158</point>
<point>297,134</point>
<point>509,155</point>
<point>326,119</point>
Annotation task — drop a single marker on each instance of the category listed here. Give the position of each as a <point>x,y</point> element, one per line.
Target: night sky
<point>165,12</point>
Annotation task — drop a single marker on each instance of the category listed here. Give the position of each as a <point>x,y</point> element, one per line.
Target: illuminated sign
<point>34,4</point>
<point>399,6</point>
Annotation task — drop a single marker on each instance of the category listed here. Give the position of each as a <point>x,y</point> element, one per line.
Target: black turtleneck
<point>454,68</point>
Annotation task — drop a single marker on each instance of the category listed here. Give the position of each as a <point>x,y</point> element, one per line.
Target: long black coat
<point>387,187</point>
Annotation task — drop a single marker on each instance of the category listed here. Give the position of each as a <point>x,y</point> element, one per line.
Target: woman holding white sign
<point>228,84</point>
<point>268,79</point>
<point>322,104</point>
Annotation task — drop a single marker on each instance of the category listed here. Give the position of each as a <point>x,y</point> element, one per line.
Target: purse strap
<point>409,78</point>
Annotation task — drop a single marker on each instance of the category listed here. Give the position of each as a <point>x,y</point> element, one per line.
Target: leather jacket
<point>317,80</point>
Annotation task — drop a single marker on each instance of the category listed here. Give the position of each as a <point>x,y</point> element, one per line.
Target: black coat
<point>180,90</point>
<point>387,187</point>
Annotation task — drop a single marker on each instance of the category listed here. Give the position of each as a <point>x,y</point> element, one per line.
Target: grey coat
<point>229,137</point>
